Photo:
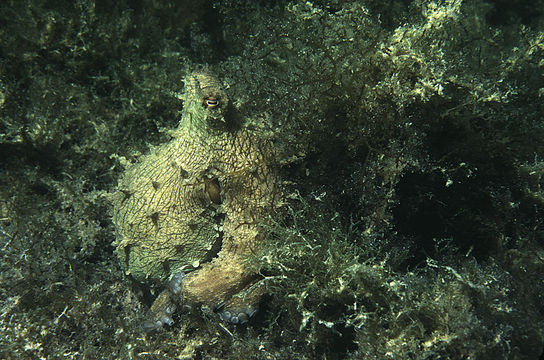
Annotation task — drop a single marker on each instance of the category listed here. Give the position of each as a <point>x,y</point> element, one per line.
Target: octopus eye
<point>211,102</point>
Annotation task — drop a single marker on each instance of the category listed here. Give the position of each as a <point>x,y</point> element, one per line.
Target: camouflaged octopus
<point>190,211</point>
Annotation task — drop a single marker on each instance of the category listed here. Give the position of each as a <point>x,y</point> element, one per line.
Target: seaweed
<point>410,137</point>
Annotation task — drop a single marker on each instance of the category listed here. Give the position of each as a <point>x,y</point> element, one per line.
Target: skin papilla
<point>195,206</point>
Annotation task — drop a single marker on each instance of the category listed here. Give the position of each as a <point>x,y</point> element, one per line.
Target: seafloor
<point>409,136</point>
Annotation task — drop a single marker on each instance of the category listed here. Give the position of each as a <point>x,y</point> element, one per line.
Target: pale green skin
<point>166,222</point>
<point>195,205</point>
<point>165,212</point>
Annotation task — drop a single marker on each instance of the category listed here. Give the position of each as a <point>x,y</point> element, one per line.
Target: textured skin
<point>195,203</point>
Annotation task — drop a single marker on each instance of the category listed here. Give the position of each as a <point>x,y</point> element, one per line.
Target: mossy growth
<point>337,293</point>
<point>410,133</point>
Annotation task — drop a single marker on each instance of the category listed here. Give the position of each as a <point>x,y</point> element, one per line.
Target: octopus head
<point>207,105</point>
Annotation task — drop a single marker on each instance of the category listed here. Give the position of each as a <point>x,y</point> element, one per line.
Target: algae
<point>411,137</point>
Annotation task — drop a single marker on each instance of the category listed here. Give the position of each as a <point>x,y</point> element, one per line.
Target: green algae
<point>413,135</point>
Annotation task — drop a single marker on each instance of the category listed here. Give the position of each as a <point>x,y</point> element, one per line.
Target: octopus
<point>189,213</point>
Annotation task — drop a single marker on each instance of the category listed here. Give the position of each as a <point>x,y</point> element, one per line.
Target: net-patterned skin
<point>189,212</point>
